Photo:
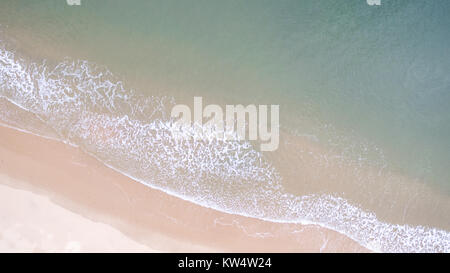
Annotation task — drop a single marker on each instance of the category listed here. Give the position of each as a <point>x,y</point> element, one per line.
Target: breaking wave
<point>86,105</point>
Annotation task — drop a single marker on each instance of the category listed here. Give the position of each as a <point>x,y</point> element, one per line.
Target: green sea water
<point>369,83</point>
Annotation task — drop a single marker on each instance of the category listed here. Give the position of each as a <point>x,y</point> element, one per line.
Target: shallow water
<point>363,94</point>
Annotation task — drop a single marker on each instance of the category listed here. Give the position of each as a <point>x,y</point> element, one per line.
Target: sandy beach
<point>89,96</point>
<point>59,192</point>
<point>32,223</point>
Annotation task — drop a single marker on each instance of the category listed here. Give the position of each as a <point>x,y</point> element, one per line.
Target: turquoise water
<point>368,83</point>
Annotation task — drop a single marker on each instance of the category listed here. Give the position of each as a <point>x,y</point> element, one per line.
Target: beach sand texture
<point>95,198</point>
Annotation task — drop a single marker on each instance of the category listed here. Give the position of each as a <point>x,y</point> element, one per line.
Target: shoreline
<point>85,186</point>
<point>358,168</point>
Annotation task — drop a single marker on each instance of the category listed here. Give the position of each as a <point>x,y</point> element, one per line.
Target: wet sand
<point>79,183</point>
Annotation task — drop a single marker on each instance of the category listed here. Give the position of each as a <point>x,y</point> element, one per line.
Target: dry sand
<point>32,223</point>
<point>80,204</point>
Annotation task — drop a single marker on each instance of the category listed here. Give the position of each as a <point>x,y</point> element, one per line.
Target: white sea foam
<point>87,106</point>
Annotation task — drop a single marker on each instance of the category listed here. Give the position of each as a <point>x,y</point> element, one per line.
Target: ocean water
<point>364,95</point>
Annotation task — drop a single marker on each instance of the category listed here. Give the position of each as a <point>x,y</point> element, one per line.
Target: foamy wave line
<point>89,108</point>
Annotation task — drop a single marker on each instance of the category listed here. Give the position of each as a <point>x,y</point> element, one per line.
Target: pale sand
<point>32,223</point>
<point>92,192</point>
